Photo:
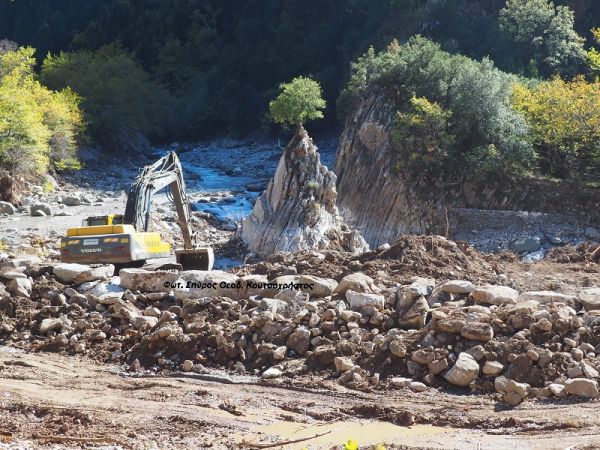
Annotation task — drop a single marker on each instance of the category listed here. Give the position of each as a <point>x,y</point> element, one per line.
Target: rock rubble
<point>363,330</point>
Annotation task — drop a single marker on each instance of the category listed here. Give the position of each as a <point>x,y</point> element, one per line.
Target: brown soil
<point>47,399</point>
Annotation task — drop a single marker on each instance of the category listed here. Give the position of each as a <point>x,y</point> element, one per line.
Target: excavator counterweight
<point>123,239</point>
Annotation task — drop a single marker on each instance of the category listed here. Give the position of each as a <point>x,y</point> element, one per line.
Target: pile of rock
<point>422,335</point>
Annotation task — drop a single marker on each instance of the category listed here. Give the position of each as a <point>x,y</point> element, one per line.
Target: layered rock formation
<point>379,202</point>
<point>298,209</point>
<point>384,204</point>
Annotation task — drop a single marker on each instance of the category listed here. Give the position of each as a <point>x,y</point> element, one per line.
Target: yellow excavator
<point>126,239</point>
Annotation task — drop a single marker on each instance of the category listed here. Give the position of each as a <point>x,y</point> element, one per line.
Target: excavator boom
<point>101,233</point>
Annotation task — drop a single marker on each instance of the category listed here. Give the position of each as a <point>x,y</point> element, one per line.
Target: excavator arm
<point>166,172</point>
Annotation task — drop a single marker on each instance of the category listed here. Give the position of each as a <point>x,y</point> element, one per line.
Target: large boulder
<point>317,286</point>
<point>358,282</point>
<point>71,200</point>
<point>590,298</point>
<point>495,295</point>
<point>545,297</point>
<point>298,209</point>
<point>204,283</point>
<point>7,208</point>
<point>80,273</point>
<point>414,315</point>
<point>526,245</point>
<point>582,387</point>
<point>299,341</point>
<point>40,209</point>
<point>358,300</point>
<point>148,281</point>
<point>20,287</point>
<point>405,295</point>
<point>477,331</point>
<point>464,371</point>
<point>457,287</point>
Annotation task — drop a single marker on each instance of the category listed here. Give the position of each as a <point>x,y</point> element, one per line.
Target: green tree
<point>120,99</point>
<point>37,126</point>
<point>544,34</point>
<point>593,55</point>
<point>299,102</point>
<point>464,104</point>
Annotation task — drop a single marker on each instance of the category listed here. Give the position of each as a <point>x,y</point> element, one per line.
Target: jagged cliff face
<point>298,209</point>
<point>384,205</point>
<point>380,203</point>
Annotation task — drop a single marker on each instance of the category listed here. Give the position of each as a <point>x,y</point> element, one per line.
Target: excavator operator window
<point>95,221</point>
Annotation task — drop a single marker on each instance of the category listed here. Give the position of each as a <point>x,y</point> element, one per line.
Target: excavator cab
<point>126,239</point>
<point>111,219</point>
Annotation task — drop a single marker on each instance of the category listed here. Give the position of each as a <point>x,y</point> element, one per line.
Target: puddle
<point>338,433</point>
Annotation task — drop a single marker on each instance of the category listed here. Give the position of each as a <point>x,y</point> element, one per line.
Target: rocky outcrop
<point>372,196</point>
<point>298,209</point>
<point>384,203</point>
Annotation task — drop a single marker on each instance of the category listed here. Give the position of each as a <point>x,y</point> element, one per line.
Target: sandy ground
<point>47,399</point>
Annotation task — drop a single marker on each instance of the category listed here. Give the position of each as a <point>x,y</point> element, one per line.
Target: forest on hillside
<point>191,69</point>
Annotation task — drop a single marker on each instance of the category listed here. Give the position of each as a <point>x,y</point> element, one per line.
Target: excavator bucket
<point>200,258</point>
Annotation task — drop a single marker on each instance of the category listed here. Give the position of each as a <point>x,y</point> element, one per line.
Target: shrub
<point>457,110</point>
<point>118,96</point>
<point>37,126</point>
<point>422,136</point>
<point>299,102</point>
<point>565,124</point>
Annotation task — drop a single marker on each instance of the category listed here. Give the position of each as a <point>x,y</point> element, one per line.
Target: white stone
<point>357,300</point>
<point>358,282</point>
<point>319,287</point>
<point>582,387</point>
<point>417,386</point>
<point>492,368</point>
<point>20,287</point>
<point>12,274</point>
<point>457,287</point>
<point>343,363</point>
<point>495,295</point>
<point>590,298</point>
<point>40,209</point>
<point>463,371</point>
<point>272,372</point>
<point>204,283</point>
<point>545,297</point>
<point>7,208</point>
<point>48,325</point>
<point>400,382</point>
<point>147,281</point>
<point>558,390</point>
<point>80,273</point>
<point>187,365</point>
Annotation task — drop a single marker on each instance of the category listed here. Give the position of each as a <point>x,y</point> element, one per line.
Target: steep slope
<point>380,203</point>
<point>384,204</point>
<point>298,209</point>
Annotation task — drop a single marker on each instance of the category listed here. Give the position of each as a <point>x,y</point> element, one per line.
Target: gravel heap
<point>359,321</point>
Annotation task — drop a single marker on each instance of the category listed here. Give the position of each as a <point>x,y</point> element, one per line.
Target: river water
<point>225,181</point>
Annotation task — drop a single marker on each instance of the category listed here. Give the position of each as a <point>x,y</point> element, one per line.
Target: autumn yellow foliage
<point>38,127</point>
<point>564,117</point>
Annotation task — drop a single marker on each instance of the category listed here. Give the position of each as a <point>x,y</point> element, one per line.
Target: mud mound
<point>423,256</point>
<point>584,252</point>
<point>434,256</point>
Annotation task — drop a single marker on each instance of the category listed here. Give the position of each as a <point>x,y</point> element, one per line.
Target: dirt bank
<point>49,400</point>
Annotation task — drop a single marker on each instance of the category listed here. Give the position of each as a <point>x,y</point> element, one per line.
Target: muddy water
<point>366,433</point>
